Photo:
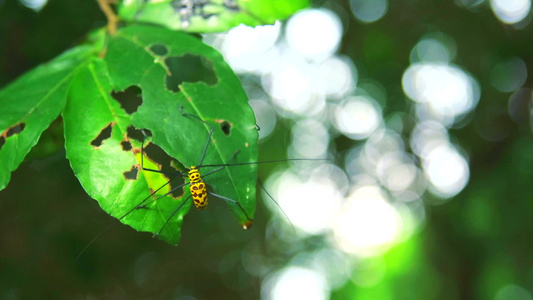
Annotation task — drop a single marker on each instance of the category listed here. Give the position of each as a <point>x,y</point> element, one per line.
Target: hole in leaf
<point>166,164</point>
<point>226,127</point>
<point>158,49</point>
<point>104,135</point>
<point>126,145</point>
<point>15,129</point>
<point>130,99</point>
<point>188,68</point>
<point>132,173</point>
<point>137,134</point>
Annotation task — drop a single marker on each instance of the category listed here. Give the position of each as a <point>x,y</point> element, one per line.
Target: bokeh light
<point>335,77</point>
<point>265,116</point>
<point>290,86</point>
<point>316,88</point>
<point>357,117</point>
<point>446,169</point>
<point>426,136</point>
<point>250,49</point>
<point>509,75</point>
<point>314,33</point>
<point>513,292</point>
<point>436,48</point>
<point>397,158</point>
<point>520,106</point>
<point>396,171</point>
<point>310,203</point>
<point>35,5</point>
<point>295,283</point>
<point>368,11</point>
<point>446,89</point>
<point>367,224</point>
<point>333,264</point>
<point>310,139</point>
<point>510,11</point>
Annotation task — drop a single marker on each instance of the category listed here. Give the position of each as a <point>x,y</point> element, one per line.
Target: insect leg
<point>142,158</point>
<point>141,205</point>
<point>231,201</point>
<point>172,215</point>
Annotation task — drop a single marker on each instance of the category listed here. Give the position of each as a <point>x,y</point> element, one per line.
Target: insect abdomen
<point>197,187</point>
<point>199,195</point>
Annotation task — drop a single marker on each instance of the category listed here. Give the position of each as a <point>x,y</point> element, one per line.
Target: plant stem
<point>112,18</point>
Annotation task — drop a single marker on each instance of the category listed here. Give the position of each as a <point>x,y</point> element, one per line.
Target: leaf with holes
<point>31,103</point>
<point>209,16</point>
<point>176,71</point>
<point>148,77</point>
<point>105,157</point>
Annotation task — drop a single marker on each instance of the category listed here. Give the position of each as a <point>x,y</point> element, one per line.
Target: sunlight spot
<point>357,117</point>
<point>309,203</point>
<point>510,11</point>
<point>295,283</point>
<point>368,11</point>
<point>310,139</point>
<point>367,224</point>
<point>396,171</point>
<point>336,77</point>
<point>446,89</point>
<point>446,169</point>
<point>251,49</point>
<point>314,33</point>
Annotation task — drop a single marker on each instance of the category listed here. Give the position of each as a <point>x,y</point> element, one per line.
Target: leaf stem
<point>112,18</point>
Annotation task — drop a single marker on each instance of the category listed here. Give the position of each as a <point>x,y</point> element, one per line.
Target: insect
<point>197,186</point>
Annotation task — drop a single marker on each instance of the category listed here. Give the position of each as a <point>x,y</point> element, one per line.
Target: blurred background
<point>423,108</point>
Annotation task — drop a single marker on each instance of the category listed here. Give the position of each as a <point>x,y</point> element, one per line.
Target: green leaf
<point>174,72</point>
<point>213,16</point>
<point>31,103</point>
<point>132,61</point>
<point>95,129</point>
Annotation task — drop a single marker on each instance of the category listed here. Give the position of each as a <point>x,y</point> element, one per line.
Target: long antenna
<point>211,130</point>
<point>264,162</point>
<point>277,204</point>
<point>91,242</point>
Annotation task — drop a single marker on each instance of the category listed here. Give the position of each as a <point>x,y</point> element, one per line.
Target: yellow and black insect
<point>197,186</point>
